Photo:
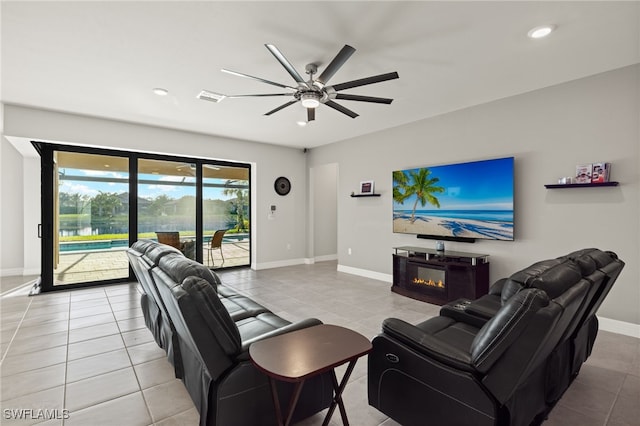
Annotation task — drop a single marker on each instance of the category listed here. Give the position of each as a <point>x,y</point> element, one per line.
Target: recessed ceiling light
<point>541,31</point>
<point>160,91</point>
<point>301,123</point>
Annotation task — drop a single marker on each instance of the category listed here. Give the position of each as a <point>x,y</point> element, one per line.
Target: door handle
<point>39,230</point>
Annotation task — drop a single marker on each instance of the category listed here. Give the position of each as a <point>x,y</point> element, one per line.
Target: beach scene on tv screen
<point>470,200</point>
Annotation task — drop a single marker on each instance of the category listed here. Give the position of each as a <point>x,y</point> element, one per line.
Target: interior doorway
<point>324,190</point>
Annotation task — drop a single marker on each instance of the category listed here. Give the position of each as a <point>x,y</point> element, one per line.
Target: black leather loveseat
<point>206,329</point>
<point>504,359</point>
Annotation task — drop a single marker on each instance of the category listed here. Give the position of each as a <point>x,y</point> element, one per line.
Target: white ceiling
<point>103,58</point>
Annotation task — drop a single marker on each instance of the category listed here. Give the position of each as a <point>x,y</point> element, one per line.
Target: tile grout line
<point>66,363</point>
<point>615,400</point>
<point>15,332</point>
<point>146,405</point>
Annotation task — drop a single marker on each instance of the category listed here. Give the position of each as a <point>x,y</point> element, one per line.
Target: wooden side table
<point>302,354</point>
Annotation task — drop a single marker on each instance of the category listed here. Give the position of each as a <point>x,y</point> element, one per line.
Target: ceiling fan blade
<point>365,81</point>
<point>340,108</point>
<point>335,64</point>
<point>348,97</point>
<point>260,95</point>
<point>311,114</point>
<point>239,74</point>
<point>281,107</point>
<point>286,64</point>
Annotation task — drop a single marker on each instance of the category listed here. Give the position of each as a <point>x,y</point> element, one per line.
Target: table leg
<point>338,389</point>
<point>292,402</point>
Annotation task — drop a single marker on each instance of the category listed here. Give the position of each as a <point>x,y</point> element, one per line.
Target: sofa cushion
<point>593,257</point>
<point>525,277</point>
<point>558,279</point>
<point>252,327</point>
<point>141,246</point>
<point>157,251</point>
<point>554,276</point>
<point>214,315</point>
<point>179,267</point>
<point>241,307</point>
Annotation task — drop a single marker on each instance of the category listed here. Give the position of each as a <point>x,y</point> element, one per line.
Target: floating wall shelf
<point>365,195</point>
<point>580,185</point>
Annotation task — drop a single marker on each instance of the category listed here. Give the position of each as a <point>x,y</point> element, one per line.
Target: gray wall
<point>548,131</point>
<point>11,217</point>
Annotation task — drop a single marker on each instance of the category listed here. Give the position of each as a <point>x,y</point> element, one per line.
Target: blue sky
<point>163,185</point>
<point>480,185</point>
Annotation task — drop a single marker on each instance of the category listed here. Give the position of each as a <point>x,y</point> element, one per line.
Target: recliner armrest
<point>496,288</point>
<point>306,323</point>
<point>427,344</point>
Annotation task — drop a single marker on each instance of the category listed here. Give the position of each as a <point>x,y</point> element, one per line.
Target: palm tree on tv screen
<point>417,183</point>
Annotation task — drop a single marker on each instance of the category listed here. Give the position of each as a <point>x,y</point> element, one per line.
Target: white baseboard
<point>280,264</point>
<point>619,327</point>
<point>326,257</point>
<point>366,273</point>
<point>11,272</point>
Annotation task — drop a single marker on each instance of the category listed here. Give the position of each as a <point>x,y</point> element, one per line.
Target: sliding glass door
<point>225,214</point>
<point>91,217</point>
<point>167,203</point>
<point>97,202</point>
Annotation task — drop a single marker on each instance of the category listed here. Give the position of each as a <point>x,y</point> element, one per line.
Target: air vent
<point>206,95</point>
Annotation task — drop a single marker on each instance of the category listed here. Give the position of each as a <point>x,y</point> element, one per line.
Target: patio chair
<point>169,238</point>
<point>216,243</point>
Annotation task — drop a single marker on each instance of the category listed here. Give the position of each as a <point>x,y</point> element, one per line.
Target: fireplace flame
<point>429,282</point>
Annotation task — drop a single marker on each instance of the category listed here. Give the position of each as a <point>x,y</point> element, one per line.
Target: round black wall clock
<point>282,185</point>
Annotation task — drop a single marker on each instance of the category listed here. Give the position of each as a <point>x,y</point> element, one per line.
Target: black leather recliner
<point>209,328</point>
<point>503,363</point>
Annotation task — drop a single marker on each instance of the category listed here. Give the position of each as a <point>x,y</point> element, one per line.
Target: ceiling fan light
<point>310,100</point>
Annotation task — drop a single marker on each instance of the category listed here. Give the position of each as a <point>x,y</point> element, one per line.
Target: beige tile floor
<point>85,266</point>
<point>88,351</point>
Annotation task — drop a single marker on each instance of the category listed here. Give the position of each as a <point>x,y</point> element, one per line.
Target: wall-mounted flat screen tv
<point>464,201</point>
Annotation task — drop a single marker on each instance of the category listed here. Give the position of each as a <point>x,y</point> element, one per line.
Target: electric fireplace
<point>439,277</point>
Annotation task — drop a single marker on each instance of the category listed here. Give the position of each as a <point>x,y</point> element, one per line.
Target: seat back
<point>533,276</point>
<point>179,267</point>
<point>510,344</point>
<point>208,339</point>
<point>216,239</point>
<point>169,238</point>
<point>603,263</point>
<point>561,282</point>
<point>143,256</point>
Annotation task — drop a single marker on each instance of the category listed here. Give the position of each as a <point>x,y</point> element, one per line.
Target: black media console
<point>439,276</point>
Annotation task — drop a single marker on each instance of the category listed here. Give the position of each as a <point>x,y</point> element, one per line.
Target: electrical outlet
<point>288,246</point>
<point>349,251</point>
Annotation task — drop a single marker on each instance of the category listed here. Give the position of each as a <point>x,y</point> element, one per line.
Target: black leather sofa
<point>503,359</point>
<point>206,329</point>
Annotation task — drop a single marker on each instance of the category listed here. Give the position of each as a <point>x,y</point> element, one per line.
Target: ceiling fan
<point>315,91</point>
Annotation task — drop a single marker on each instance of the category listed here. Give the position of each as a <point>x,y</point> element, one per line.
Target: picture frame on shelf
<point>583,173</point>
<point>367,187</point>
